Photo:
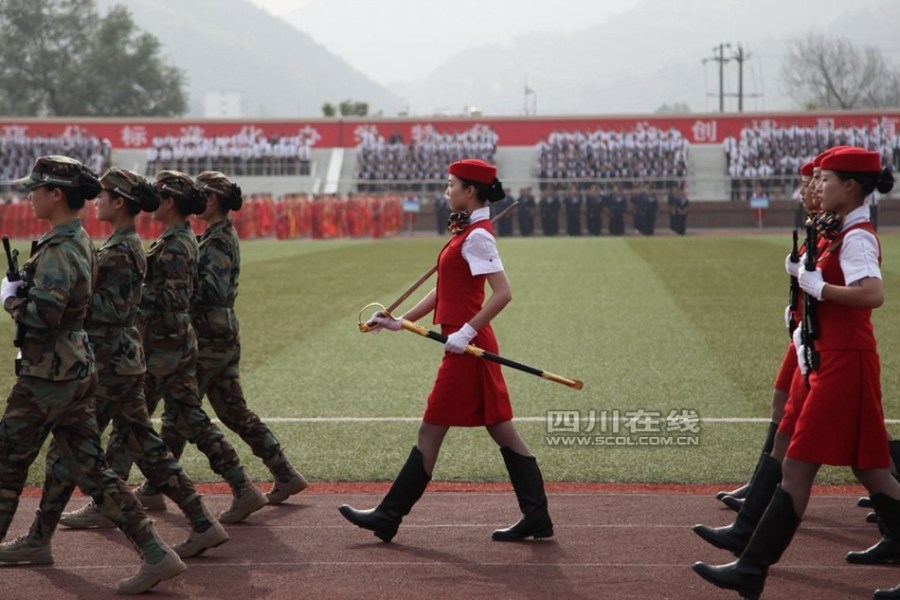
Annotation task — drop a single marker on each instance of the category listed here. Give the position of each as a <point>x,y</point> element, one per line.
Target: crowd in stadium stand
<point>645,153</point>
<point>247,153</point>
<point>421,162</point>
<point>772,156</point>
<point>17,152</point>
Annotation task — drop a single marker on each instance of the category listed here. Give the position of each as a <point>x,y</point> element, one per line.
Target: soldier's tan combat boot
<point>26,550</point>
<point>288,481</point>
<point>247,499</point>
<point>86,517</point>
<point>150,575</point>
<point>199,542</point>
<point>150,498</point>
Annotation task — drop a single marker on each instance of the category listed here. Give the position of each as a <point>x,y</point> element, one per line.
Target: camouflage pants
<point>120,399</point>
<point>37,408</point>
<point>218,377</point>
<point>171,377</point>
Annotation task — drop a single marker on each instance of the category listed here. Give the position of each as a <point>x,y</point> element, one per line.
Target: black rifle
<point>14,274</point>
<point>809,329</point>
<point>795,287</point>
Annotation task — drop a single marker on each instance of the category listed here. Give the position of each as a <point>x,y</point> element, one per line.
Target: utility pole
<point>530,93</point>
<point>740,57</point>
<point>720,58</point>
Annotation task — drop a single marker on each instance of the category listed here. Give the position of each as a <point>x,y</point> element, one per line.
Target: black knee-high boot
<point>894,449</point>
<point>732,499</point>
<point>406,490</point>
<point>893,592</point>
<point>529,487</point>
<point>887,551</point>
<point>773,535</point>
<point>735,537</point>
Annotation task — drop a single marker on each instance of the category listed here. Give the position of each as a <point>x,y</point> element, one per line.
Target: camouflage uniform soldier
<point>119,356</point>
<point>171,346</point>
<point>218,336</point>
<point>54,389</point>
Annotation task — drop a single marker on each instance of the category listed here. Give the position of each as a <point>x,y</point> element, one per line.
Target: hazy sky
<point>437,29</point>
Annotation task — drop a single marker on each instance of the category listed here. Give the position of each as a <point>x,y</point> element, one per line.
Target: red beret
<point>817,161</point>
<point>472,169</point>
<point>807,169</point>
<point>852,160</point>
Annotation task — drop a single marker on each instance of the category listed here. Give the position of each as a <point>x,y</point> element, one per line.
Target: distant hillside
<point>230,45</point>
<point>646,57</point>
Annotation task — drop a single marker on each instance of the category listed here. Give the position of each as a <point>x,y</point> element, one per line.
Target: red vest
<point>460,295</point>
<point>843,327</point>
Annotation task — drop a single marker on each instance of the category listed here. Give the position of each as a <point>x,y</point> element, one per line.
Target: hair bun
<point>146,196</point>
<point>236,199</point>
<point>88,184</point>
<point>885,181</point>
<point>496,192</point>
<point>196,202</point>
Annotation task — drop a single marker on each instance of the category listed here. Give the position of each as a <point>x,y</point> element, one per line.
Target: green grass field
<point>652,324</point>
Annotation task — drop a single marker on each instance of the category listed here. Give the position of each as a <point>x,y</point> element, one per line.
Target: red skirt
<point>842,421</point>
<point>795,401</point>
<point>788,366</point>
<point>469,391</point>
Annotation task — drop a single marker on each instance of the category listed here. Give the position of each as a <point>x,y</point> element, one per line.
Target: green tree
<point>349,108</point>
<point>328,109</point>
<point>59,58</point>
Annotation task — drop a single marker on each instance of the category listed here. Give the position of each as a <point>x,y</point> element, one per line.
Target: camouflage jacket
<point>112,319</point>
<point>53,311</point>
<point>219,271</point>
<point>169,287</point>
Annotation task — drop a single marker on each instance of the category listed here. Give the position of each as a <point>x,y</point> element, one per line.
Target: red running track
<point>611,542</point>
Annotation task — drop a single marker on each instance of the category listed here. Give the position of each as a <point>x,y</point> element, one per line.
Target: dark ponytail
<point>145,199</point>
<point>487,193</point>
<point>884,183</point>
<point>235,198</point>
<point>86,186</point>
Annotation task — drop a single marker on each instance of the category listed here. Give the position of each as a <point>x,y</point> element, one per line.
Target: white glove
<point>812,283</point>
<point>801,351</point>
<point>792,268</point>
<point>787,317</point>
<point>456,342</point>
<point>8,289</point>
<point>379,320</point>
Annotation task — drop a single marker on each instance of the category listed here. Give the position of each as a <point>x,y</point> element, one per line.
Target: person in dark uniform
<point>525,212</point>
<point>573,211</point>
<point>594,208</point>
<point>550,214</point>
<point>441,213</point>
<point>678,207</point>
<point>639,209</point>
<point>505,224</point>
<point>651,208</point>
<point>468,391</point>
<point>617,203</point>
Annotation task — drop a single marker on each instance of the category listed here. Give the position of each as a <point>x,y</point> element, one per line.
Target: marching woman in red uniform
<point>841,421</point>
<point>468,391</point>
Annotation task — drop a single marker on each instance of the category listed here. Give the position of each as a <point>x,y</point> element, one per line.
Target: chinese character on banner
<point>889,127</point>
<point>642,421</point>
<point>134,136</point>
<point>309,135</point>
<point>686,420</point>
<point>193,132</point>
<point>74,131</point>
<point>704,131</point>
<point>562,421</point>
<point>15,131</point>
<point>825,123</point>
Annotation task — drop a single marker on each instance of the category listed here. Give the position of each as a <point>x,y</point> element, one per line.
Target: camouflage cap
<point>214,181</point>
<point>55,170</point>
<point>121,182</point>
<point>176,183</point>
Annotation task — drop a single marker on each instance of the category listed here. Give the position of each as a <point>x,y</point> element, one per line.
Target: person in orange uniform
<point>468,391</point>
